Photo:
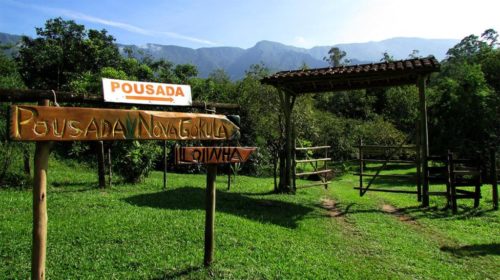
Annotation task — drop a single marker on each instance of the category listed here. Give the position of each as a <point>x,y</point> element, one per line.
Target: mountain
<point>277,56</point>
<point>399,48</point>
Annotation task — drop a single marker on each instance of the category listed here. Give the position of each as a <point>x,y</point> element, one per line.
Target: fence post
<point>494,178</point>
<point>360,166</point>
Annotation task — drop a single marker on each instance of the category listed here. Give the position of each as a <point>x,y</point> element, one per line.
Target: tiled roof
<point>354,76</point>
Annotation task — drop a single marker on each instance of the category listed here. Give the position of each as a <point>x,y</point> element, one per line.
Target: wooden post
<point>100,164</point>
<point>26,159</point>
<point>424,134</point>
<point>110,166</point>
<point>451,178</point>
<point>494,178</point>
<point>210,213</point>
<point>164,164</point>
<point>360,166</point>
<point>418,161</point>
<point>229,176</point>
<point>294,158</point>
<point>38,253</point>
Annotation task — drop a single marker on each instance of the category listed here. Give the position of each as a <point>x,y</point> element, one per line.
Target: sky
<point>243,23</point>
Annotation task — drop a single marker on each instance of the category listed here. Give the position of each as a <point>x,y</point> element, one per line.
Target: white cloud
<point>117,24</point>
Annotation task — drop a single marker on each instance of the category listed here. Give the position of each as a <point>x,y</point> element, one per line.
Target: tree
<point>465,98</point>
<point>336,57</point>
<point>62,51</point>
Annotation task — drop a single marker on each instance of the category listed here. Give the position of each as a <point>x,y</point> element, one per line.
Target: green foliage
<point>401,107</point>
<point>349,104</point>
<point>134,160</point>
<point>343,134</point>
<point>464,113</point>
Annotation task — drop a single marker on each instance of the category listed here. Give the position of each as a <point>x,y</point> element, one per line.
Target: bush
<point>134,160</point>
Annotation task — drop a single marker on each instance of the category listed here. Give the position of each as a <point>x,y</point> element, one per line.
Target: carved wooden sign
<point>40,123</point>
<point>195,155</point>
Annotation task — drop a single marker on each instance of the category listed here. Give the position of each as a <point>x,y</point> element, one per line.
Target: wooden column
<point>424,134</point>
<point>287,100</point>
<point>100,164</point>
<point>38,253</point>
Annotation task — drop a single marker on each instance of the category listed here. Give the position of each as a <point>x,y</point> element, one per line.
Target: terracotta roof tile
<point>354,76</point>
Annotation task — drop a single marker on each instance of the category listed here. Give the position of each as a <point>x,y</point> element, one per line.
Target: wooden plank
<point>314,172</point>
<point>386,190</point>
<point>312,148</point>
<point>367,147</point>
<point>313,185</point>
<point>37,123</point>
<point>438,193</point>
<point>387,175</point>
<point>197,155</point>
<point>390,161</point>
<point>313,160</point>
<point>466,172</point>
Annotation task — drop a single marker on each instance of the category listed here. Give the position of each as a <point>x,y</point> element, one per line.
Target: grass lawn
<point>143,232</point>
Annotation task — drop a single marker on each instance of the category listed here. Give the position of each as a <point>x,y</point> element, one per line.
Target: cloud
<point>301,41</point>
<point>117,24</point>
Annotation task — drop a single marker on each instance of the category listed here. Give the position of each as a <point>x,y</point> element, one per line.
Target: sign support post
<point>38,252</point>
<point>210,214</point>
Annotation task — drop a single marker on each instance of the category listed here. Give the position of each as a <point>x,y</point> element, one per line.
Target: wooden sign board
<point>196,155</point>
<point>146,93</point>
<point>41,123</point>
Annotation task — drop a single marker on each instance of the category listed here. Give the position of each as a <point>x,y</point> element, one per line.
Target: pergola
<point>290,84</point>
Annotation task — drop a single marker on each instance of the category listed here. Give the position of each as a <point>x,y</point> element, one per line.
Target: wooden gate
<point>319,166</point>
<point>385,155</point>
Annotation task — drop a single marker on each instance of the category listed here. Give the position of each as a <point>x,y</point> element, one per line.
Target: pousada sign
<point>121,91</point>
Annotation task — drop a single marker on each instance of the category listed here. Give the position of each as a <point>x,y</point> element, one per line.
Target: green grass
<point>143,232</point>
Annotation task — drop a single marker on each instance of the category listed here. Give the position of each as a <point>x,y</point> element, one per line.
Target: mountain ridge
<point>278,56</point>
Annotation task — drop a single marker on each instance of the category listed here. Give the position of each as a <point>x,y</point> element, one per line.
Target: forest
<point>463,102</point>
